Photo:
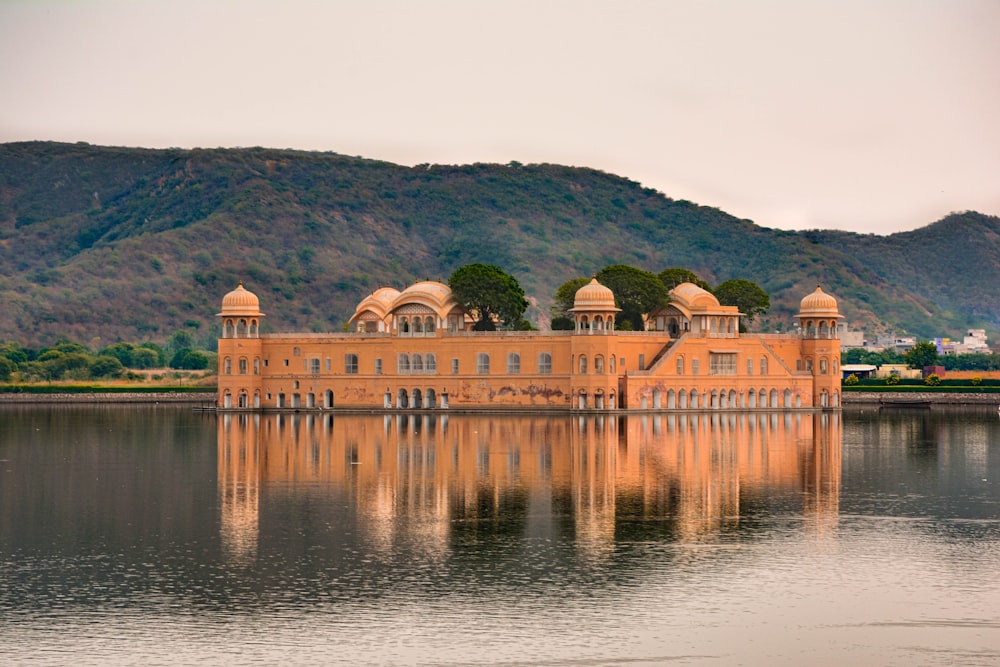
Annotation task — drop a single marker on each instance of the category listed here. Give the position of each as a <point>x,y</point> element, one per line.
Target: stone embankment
<point>935,398</point>
<point>111,398</point>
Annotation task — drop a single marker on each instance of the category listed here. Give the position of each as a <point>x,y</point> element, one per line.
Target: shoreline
<point>207,400</point>
<point>111,397</point>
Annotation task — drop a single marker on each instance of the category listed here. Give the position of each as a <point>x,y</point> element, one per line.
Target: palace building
<point>415,350</point>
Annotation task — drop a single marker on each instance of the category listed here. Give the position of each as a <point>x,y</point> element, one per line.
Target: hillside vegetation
<point>103,244</point>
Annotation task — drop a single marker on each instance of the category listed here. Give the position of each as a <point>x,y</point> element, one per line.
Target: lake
<point>161,535</point>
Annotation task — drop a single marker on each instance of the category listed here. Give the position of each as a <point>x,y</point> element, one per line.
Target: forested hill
<point>122,243</point>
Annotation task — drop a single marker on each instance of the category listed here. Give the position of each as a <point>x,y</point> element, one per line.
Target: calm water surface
<point>165,536</point>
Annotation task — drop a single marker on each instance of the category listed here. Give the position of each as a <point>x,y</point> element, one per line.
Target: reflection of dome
<point>594,296</point>
<point>240,302</point>
<point>818,304</point>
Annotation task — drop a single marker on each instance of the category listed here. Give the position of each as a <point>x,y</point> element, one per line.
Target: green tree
<point>161,354</point>
<point>489,294</point>
<point>189,360</point>
<point>922,354</point>
<point>636,291</point>
<point>180,340</point>
<point>673,277</point>
<point>144,357</point>
<point>745,295</point>
<point>7,368</point>
<point>14,352</point>
<point>123,352</point>
<point>562,319</point>
<point>106,366</point>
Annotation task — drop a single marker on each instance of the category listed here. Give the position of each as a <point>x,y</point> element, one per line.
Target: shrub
<point>851,379</point>
<point>932,380</point>
<point>976,380</point>
<point>892,379</point>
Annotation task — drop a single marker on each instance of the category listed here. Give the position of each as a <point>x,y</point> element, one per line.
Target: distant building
<point>975,341</point>
<point>850,339</point>
<point>415,350</point>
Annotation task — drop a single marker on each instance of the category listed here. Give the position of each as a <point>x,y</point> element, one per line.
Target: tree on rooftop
<point>745,295</point>
<point>673,277</point>
<point>490,294</point>
<point>563,301</point>
<point>637,292</point>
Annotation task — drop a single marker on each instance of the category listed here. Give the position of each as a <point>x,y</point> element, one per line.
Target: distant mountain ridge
<point>99,244</point>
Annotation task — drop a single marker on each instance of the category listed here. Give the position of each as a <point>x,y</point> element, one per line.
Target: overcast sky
<point>866,115</point>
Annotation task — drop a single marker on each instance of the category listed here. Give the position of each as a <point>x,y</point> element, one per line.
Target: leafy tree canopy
<point>922,354</point>
<point>745,295</point>
<point>489,293</point>
<point>637,292</point>
<point>564,297</point>
<point>673,277</point>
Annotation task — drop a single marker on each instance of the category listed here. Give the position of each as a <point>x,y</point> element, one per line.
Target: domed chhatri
<point>241,301</point>
<point>594,297</point>
<point>240,314</point>
<point>819,304</point>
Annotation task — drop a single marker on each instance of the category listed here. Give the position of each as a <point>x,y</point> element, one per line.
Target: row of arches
<point>240,328</point>
<point>595,324</point>
<point>416,363</point>
<point>415,325</point>
<point>583,364</point>
<point>415,399</point>
<point>722,399</point>
<point>242,366</point>
<point>819,328</point>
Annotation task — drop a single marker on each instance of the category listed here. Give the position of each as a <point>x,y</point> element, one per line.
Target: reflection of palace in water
<point>416,476</point>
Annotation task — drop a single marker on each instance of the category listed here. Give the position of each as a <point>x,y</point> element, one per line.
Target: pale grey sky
<point>867,115</point>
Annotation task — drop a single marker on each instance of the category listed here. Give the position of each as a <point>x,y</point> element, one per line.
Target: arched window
<point>430,363</point>
<point>243,366</point>
<point>598,364</point>
<point>544,363</point>
<point>822,367</point>
<point>763,366</point>
<point>483,363</point>
<point>611,364</point>
<point>256,366</point>
<point>351,364</point>
<point>417,363</point>
<point>513,363</point>
<point>227,366</point>
<point>583,364</point>
<point>680,365</point>
<point>429,324</point>
<point>403,363</point>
